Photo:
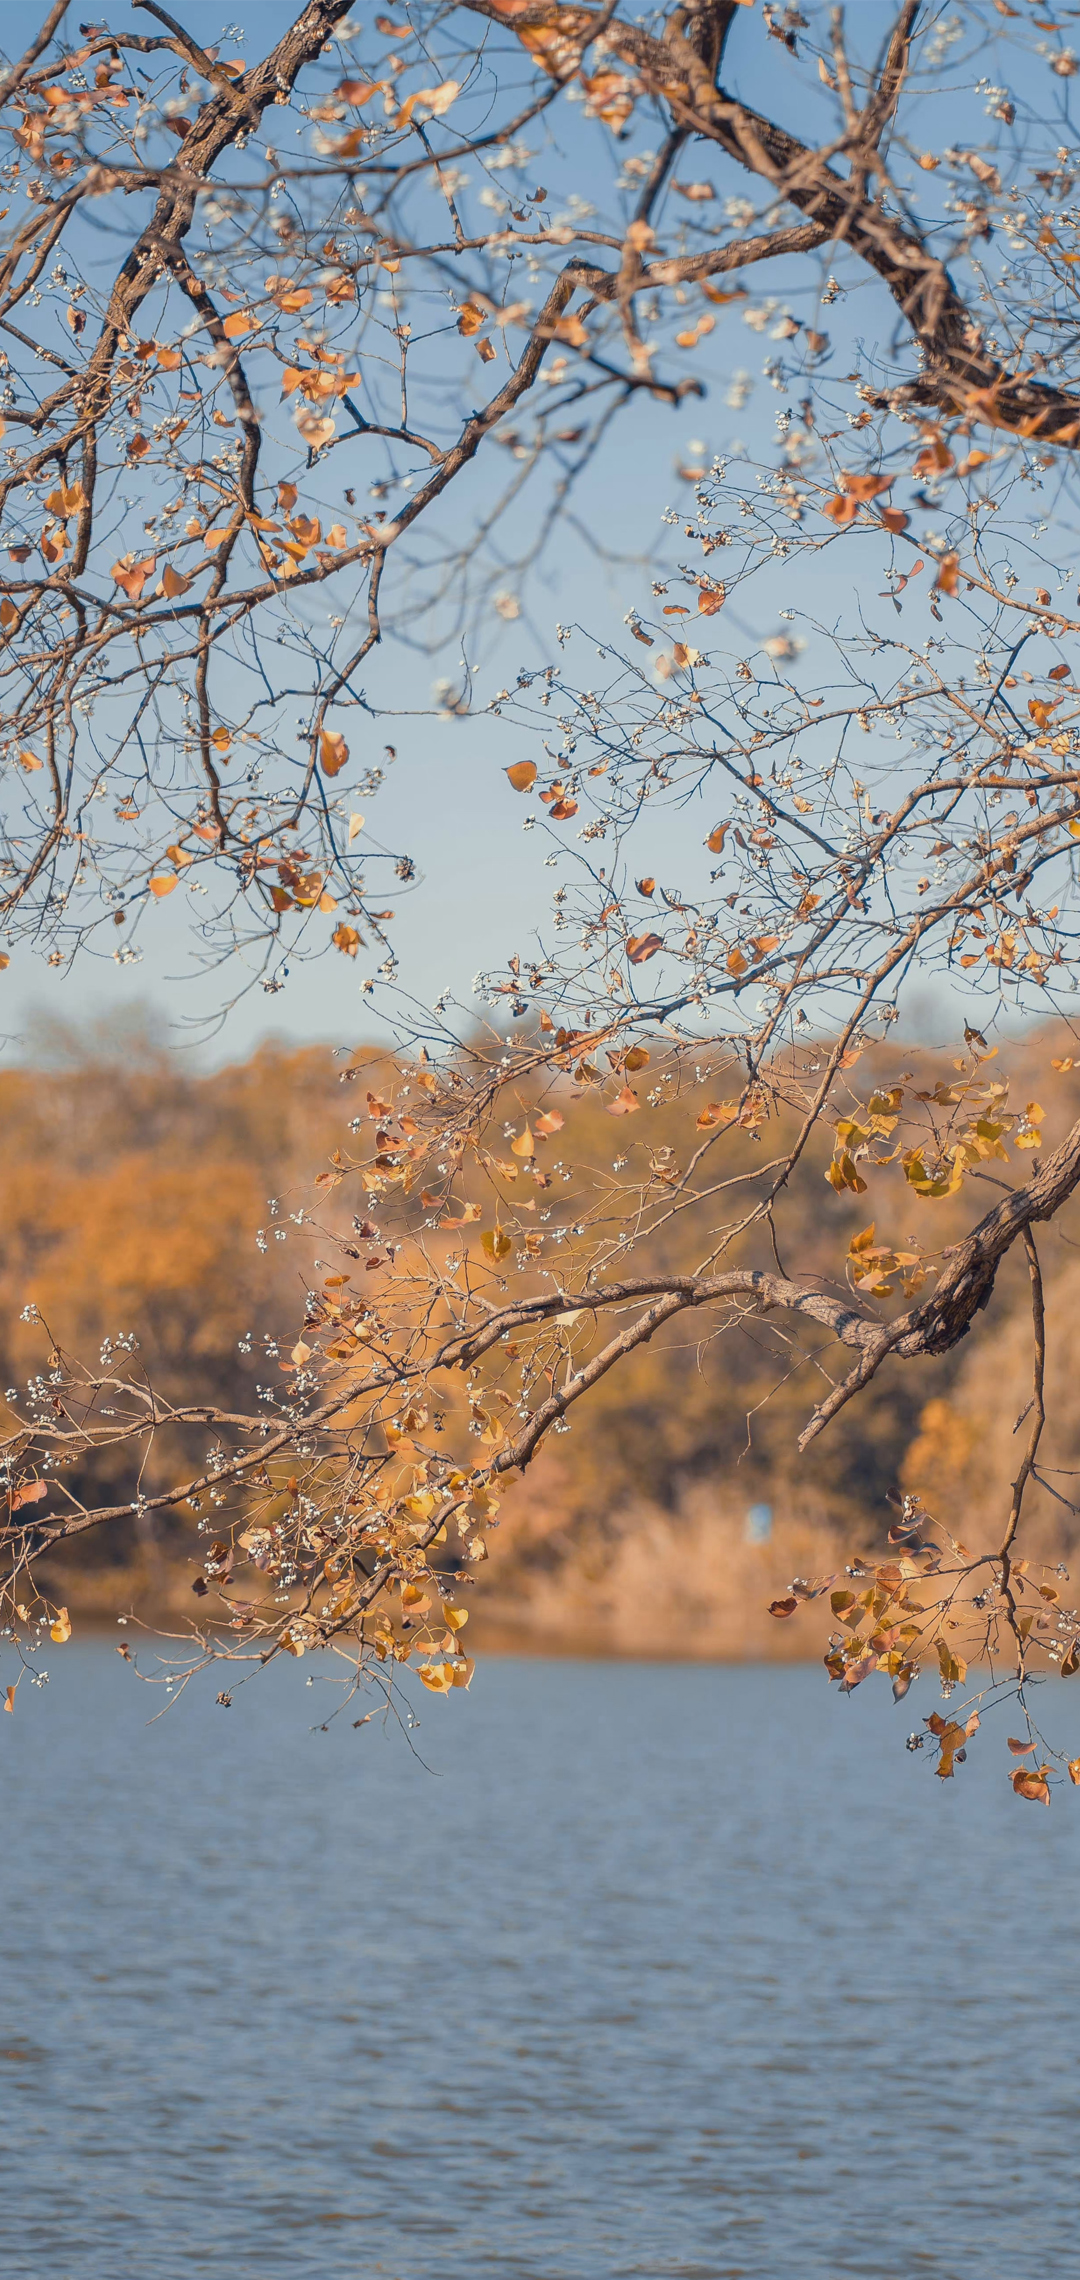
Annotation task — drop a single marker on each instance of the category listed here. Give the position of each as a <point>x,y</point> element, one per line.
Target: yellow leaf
<point>61,1629</point>
<point>179,856</point>
<point>356,825</point>
<point>163,884</point>
<point>30,761</point>
<point>455,1617</point>
<point>524,1145</point>
<point>9,1698</point>
<point>346,939</point>
<point>439,1677</point>
<point>438,99</point>
<point>953,1667</point>
<point>497,1244</point>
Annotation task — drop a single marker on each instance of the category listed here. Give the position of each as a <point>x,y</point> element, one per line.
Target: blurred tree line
<point>143,1198</point>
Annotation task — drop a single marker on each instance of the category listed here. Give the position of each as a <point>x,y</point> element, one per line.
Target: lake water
<point>658,1971</point>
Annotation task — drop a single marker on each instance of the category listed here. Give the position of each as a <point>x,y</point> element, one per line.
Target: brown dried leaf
<point>1032,1784</point>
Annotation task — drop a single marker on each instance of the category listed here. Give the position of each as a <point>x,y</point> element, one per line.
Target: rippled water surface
<point>660,1971</point>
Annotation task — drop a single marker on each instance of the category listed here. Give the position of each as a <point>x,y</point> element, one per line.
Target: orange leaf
<point>866,486</point>
<point>132,575</point>
<point>643,946</point>
<point>625,1103</point>
<point>239,323</point>
<point>31,1493</point>
<point>715,840</point>
<point>736,963</point>
<point>172,583</point>
<point>333,752</point>
<point>946,583</point>
<point>346,939</point>
<point>522,775</point>
<point>163,884</point>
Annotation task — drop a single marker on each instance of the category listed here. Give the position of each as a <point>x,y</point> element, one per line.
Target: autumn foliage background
<point>139,1197</point>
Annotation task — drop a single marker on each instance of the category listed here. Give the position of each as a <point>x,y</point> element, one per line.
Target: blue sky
<point>482,883</point>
